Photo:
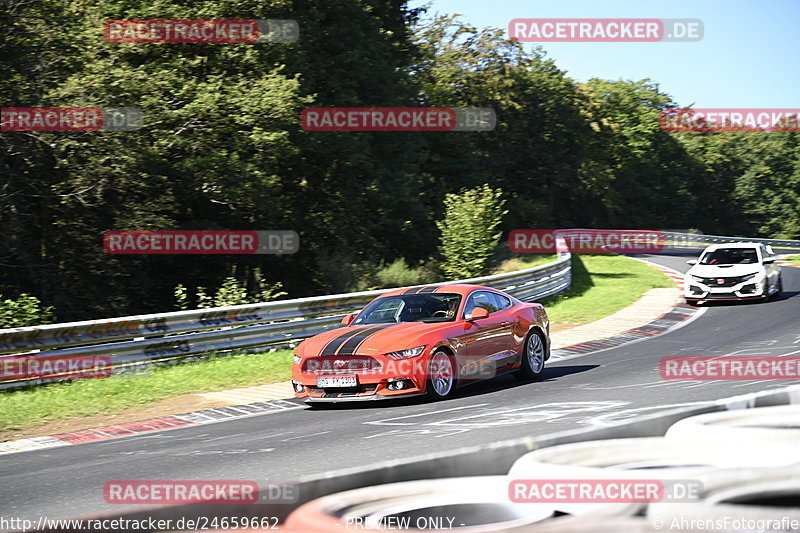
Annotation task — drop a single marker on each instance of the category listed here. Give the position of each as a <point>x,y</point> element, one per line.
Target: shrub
<point>469,230</point>
<point>26,310</point>
<point>399,274</point>
<point>230,292</point>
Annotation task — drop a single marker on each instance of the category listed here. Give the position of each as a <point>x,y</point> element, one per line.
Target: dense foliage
<point>222,148</point>
<point>25,310</point>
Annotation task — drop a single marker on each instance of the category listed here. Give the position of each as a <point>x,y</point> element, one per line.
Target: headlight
<point>297,359</point>
<point>749,276</point>
<point>406,354</point>
<point>698,278</point>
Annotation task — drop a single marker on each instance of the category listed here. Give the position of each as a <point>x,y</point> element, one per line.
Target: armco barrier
<point>133,341</point>
<point>691,240</point>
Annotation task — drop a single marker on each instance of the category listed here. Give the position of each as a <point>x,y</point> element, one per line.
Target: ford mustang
<point>423,341</point>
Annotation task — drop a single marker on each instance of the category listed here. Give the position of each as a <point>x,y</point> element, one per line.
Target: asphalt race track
<point>578,391</point>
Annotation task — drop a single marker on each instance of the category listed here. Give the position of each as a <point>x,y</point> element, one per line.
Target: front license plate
<point>325,382</point>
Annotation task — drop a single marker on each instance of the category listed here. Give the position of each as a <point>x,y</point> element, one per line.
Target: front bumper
<point>370,398</point>
<point>375,384</point>
<point>746,290</point>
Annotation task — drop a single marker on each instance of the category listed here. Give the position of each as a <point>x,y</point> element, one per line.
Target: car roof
<point>457,288</point>
<point>732,245</point>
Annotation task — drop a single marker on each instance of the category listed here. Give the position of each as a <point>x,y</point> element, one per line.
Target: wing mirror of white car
<point>691,262</point>
<point>768,260</point>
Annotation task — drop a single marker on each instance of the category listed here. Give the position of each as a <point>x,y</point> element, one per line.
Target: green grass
<point>524,261</point>
<point>31,407</point>
<point>794,259</point>
<point>601,286</point>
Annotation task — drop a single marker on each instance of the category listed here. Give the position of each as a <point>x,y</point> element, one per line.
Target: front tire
<point>533,357</point>
<point>441,381</point>
<point>778,288</point>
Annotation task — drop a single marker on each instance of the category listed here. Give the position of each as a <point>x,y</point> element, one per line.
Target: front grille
<point>720,296</point>
<point>726,282</point>
<point>344,393</point>
<point>347,364</point>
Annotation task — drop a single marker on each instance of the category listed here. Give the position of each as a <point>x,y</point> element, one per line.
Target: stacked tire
<point>746,465</point>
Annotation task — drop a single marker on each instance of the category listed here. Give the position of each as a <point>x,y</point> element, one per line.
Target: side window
<point>502,302</point>
<point>481,299</point>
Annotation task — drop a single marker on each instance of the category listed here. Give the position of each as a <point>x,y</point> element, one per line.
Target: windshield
<point>730,256</point>
<point>411,308</point>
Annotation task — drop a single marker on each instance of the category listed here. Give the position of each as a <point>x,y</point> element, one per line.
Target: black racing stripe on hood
<point>334,343</point>
<point>351,346</point>
<point>427,289</point>
<point>412,290</point>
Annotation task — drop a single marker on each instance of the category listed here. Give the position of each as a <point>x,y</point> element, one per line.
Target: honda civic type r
<point>733,271</point>
<point>423,340</point>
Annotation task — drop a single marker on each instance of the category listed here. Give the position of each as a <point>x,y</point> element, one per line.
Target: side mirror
<point>348,319</point>
<point>477,313</point>
<point>768,260</point>
<point>691,262</point>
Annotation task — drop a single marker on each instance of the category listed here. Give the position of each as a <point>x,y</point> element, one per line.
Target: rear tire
<point>534,354</point>
<point>441,380</point>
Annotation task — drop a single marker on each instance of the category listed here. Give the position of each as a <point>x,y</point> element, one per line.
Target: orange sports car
<point>423,340</point>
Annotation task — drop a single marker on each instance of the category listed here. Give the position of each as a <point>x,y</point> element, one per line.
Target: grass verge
<point>601,286</point>
<point>25,408</point>
<point>794,259</point>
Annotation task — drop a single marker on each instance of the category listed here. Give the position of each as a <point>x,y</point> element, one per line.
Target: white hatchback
<point>733,271</point>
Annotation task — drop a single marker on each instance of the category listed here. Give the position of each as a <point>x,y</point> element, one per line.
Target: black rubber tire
<point>779,290</point>
<point>526,371</point>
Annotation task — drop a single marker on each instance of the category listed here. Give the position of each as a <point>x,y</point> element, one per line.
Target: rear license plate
<point>325,382</point>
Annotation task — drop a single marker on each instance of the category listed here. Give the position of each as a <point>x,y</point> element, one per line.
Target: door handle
<point>505,323</point>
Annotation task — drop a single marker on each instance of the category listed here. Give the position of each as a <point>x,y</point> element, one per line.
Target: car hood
<point>725,271</point>
<point>370,339</point>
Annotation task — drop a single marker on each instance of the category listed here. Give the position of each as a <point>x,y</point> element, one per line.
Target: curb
<point>129,429</point>
<point>678,316</point>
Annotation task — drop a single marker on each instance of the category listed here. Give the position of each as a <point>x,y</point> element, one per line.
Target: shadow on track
<point>470,390</point>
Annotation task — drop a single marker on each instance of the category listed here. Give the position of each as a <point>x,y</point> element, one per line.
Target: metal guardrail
<point>693,239</point>
<point>135,341</point>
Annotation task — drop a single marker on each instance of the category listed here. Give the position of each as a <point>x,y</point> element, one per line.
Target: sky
<point>749,56</point>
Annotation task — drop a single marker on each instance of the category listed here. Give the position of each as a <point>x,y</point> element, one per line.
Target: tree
<point>639,174</point>
<point>469,230</point>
